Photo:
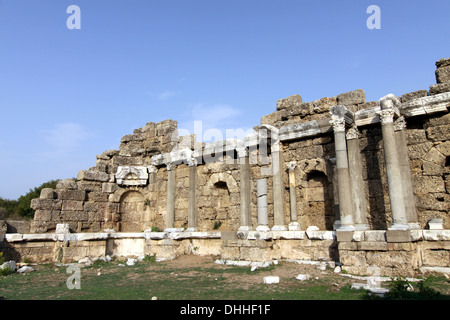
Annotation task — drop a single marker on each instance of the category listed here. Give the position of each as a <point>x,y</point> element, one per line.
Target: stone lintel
<point>398,236</point>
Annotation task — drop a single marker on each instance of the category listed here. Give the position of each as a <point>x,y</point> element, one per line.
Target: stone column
<point>278,186</point>
<point>261,194</point>
<point>403,158</point>
<point>171,191</point>
<point>393,171</point>
<point>356,180</point>
<point>192,202</point>
<point>152,170</point>
<point>293,225</point>
<point>343,176</point>
<point>245,189</point>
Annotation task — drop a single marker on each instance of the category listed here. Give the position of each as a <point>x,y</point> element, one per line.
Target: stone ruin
<point>336,179</point>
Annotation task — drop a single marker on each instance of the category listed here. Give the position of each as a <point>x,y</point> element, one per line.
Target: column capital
<point>152,169</point>
<point>170,166</point>
<point>242,152</point>
<point>352,133</point>
<point>291,165</point>
<point>338,124</point>
<point>386,116</point>
<point>191,161</point>
<point>400,124</point>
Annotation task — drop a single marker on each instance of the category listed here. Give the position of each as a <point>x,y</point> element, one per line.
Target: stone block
<point>43,215</point>
<point>91,175</point>
<point>108,187</point>
<point>398,236</point>
<point>72,205</point>
<point>46,204</point>
<point>352,98</point>
<point>47,193</point>
<point>439,88</point>
<point>443,74</point>
<point>375,235</point>
<point>439,133</point>
<point>344,236</point>
<point>229,236</point>
<point>78,195</point>
<point>436,224</point>
<point>291,102</point>
<point>372,246</point>
<point>66,184</point>
<point>413,95</point>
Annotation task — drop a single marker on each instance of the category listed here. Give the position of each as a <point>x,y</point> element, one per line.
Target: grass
<point>167,281</point>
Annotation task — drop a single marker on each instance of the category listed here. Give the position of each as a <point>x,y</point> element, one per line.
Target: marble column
<point>192,193</point>
<point>278,186</point>
<point>293,225</point>
<point>261,195</point>
<point>405,169</point>
<point>245,190</point>
<point>356,180</point>
<point>393,171</point>
<point>343,176</point>
<point>171,191</point>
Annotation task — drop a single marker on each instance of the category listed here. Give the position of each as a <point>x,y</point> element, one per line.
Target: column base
<point>399,226</point>
<point>263,228</point>
<point>245,228</point>
<point>294,226</point>
<point>191,229</point>
<point>279,228</point>
<point>346,227</point>
<point>336,224</point>
<point>361,227</point>
<point>414,226</point>
<point>174,230</point>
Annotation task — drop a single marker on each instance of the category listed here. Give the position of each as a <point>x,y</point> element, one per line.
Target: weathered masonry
<point>339,178</point>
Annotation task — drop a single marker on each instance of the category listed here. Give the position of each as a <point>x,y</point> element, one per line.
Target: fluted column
<point>393,171</point>
<point>343,176</point>
<point>293,225</point>
<point>356,180</point>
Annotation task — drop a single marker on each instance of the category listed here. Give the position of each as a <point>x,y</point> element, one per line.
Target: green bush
<point>21,207</point>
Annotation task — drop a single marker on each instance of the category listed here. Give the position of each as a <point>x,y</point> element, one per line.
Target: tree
<point>21,206</point>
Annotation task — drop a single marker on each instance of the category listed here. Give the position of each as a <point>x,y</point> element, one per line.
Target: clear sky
<point>67,95</point>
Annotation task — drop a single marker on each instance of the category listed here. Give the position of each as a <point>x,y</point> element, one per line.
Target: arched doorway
<point>131,211</point>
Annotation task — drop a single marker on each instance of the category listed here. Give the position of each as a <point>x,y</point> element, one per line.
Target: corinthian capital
<point>338,124</point>
<point>386,116</point>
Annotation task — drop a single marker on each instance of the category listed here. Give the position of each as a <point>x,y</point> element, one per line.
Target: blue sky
<point>68,95</point>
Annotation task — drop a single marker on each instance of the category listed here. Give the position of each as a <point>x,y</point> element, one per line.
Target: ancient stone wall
<point>340,168</point>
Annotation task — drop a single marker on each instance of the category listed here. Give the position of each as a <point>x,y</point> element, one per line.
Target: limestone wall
<point>128,188</point>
